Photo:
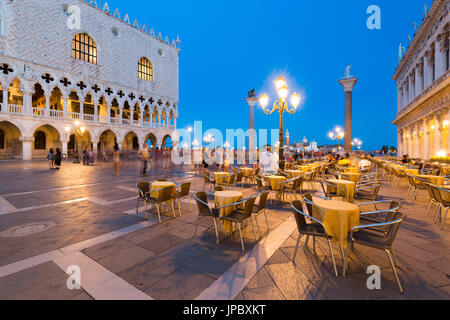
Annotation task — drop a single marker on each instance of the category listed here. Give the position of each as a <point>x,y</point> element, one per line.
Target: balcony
<point>74,116</point>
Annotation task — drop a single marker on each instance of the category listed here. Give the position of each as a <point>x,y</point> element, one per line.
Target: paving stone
<point>125,259</point>
<point>107,249</point>
<point>161,243</point>
<point>266,293</point>
<point>183,284</point>
<point>261,280</point>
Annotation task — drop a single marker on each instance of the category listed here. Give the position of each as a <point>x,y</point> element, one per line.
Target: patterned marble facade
<point>127,95</point>
<point>423,88</point>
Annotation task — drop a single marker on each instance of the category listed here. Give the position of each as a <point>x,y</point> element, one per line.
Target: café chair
<point>204,210</point>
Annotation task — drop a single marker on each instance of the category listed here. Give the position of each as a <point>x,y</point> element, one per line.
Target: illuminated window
<point>84,48</point>
<point>145,69</point>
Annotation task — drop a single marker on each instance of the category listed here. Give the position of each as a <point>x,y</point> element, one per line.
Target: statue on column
<point>348,72</point>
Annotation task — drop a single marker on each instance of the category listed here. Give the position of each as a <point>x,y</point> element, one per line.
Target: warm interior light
<point>264,100</point>
<point>77,123</point>
<point>67,129</point>
<point>442,153</point>
<point>82,129</point>
<point>280,82</point>
<point>295,100</point>
<point>446,123</point>
<point>283,92</point>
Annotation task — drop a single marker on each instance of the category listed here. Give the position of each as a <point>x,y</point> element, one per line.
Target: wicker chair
<point>204,210</point>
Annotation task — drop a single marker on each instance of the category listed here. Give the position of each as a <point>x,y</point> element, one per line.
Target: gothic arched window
<point>145,69</point>
<point>84,48</point>
<point>40,141</point>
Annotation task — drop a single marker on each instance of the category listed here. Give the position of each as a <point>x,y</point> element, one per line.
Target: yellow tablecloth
<point>221,177</point>
<point>275,180</point>
<point>294,173</point>
<point>338,217</point>
<point>446,170</point>
<point>352,170</point>
<point>348,186</point>
<point>413,172</point>
<point>306,169</point>
<point>344,162</point>
<point>161,184</point>
<point>354,177</point>
<point>247,171</point>
<point>436,180</point>
<point>223,198</point>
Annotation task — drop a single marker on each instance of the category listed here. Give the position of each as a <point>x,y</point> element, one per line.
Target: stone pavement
<point>122,256</point>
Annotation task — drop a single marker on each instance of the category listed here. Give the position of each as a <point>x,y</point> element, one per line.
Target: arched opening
<point>115,111</point>
<point>15,97</point>
<point>10,144</point>
<point>150,140</point>
<point>89,108</point>
<point>126,113</point>
<point>45,138</point>
<point>137,112</point>
<point>80,141</point>
<point>84,48</point>
<point>155,116</point>
<point>131,143</point>
<point>38,101</point>
<point>102,110</point>
<point>145,69</point>
<point>56,104</point>
<point>167,142</point>
<point>107,142</point>
<point>74,106</point>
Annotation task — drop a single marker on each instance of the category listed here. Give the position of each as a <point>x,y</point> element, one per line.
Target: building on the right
<point>423,88</point>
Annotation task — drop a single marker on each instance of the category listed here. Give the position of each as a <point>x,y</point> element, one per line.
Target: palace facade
<point>423,88</point>
<point>107,82</point>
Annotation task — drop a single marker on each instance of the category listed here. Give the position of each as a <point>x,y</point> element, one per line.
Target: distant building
<point>423,88</point>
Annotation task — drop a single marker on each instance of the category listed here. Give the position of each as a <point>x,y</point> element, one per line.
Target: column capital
<point>252,101</point>
<point>27,139</point>
<point>348,84</point>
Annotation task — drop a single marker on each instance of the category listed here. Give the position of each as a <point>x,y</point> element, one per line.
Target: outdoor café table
<point>446,170</point>
<point>414,172</point>
<point>306,169</point>
<point>352,170</point>
<point>348,186</point>
<point>160,185</point>
<point>294,173</point>
<point>247,171</point>
<point>221,177</point>
<point>436,180</point>
<point>339,218</point>
<point>223,198</point>
<point>354,177</point>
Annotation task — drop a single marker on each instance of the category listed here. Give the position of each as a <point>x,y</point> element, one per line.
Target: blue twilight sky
<point>229,47</point>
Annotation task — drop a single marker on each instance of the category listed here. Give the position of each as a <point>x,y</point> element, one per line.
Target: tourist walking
<point>51,159</point>
<point>144,155</point>
<point>91,156</point>
<point>116,159</point>
<point>58,159</point>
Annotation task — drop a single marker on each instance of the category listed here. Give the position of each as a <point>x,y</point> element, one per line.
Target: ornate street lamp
<point>357,143</point>
<point>337,134</point>
<point>281,106</point>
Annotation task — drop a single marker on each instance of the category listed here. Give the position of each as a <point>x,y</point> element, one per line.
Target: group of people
<point>88,157</point>
<point>54,159</point>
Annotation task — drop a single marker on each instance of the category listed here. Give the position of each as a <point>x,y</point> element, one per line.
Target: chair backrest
<point>436,193</point>
<point>248,207</point>
<point>206,179</point>
<point>392,230</point>
<point>259,182</point>
<point>162,180</point>
<point>143,189</point>
<point>299,215</point>
<point>232,178</point>
<point>309,203</point>
<point>263,201</point>
<point>201,199</point>
<point>239,176</point>
<point>166,193</point>
<point>218,188</point>
<point>185,188</point>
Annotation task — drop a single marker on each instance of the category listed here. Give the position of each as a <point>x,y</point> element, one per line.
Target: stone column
<point>425,140</point>
<point>439,58</point>
<point>27,148</point>
<point>251,129</point>
<point>437,136</point>
<point>120,115</point>
<point>95,110</point>
<point>27,102</point>
<point>120,144</point>
<point>348,85</point>
<point>64,144</point>
<point>399,143</point>
<point>109,113</point>
<point>428,68</point>
<point>47,104</point>
<point>5,88</point>
<point>82,109</point>
<point>142,117</point>
<point>418,82</point>
<point>95,147</point>
<point>411,88</point>
<point>65,106</point>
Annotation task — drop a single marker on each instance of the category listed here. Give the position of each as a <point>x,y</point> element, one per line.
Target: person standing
<point>144,155</point>
<point>51,159</point>
<point>116,159</point>
<point>266,162</point>
<point>58,159</point>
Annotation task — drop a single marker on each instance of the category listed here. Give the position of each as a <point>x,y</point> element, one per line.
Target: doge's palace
<point>79,75</point>
<point>423,87</point>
